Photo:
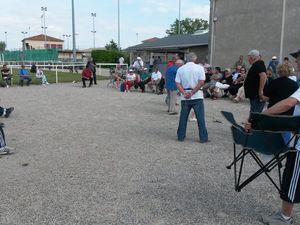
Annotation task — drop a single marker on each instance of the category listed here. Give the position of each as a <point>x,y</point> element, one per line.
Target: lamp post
<point>282,30</point>
<point>119,46</point>
<point>137,38</point>
<point>179,15</point>
<point>5,33</point>
<point>93,31</point>
<point>68,38</point>
<point>73,30</point>
<point>44,9</point>
<point>24,33</point>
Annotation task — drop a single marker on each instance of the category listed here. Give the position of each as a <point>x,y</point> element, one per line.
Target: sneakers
<point>5,150</point>
<point>276,219</point>
<point>9,111</point>
<point>192,119</point>
<point>173,113</point>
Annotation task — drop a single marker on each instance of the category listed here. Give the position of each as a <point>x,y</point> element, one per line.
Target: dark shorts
<point>291,178</point>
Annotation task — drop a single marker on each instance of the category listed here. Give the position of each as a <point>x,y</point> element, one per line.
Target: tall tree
<point>112,45</point>
<point>187,26</point>
<point>2,46</point>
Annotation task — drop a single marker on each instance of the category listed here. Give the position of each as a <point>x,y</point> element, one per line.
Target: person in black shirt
<point>255,81</point>
<point>281,88</point>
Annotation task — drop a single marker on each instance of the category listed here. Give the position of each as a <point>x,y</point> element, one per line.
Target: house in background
<point>42,42</point>
<point>168,46</point>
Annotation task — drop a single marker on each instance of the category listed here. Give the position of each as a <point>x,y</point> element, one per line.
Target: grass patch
<point>63,77</point>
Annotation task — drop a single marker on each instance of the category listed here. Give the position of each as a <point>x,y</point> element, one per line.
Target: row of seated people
<point>138,79</point>
<point>24,75</point>
<point>224,83</point>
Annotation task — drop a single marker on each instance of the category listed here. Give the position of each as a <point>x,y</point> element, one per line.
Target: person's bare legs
<point>287,208</point>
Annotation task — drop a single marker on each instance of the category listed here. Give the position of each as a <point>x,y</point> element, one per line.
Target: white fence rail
<point>103,69</point>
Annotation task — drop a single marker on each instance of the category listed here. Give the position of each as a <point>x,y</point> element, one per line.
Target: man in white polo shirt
<point>189,81</point>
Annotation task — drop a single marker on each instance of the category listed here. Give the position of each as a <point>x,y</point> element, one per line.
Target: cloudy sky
<point>140,19</point>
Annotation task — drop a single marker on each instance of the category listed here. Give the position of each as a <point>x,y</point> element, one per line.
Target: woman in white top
<point>40,75</point>
<point>129,82</point>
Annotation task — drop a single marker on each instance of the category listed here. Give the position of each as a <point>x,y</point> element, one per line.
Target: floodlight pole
<point>179,17</point>
<point>6,39</point>
<point>93,31</point>
<point>119,46</point>
<point>73,30</point>
<point>44,9</point>
<point>282,30</point>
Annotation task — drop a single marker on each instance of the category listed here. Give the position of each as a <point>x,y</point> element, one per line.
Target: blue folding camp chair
<point>265,138</point>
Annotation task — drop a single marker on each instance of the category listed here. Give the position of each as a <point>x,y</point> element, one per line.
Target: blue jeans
<point>186,106</point>
<point>256,105</point>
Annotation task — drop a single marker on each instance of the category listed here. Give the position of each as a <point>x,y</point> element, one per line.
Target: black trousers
<point>84,79</point>
<point>94,77</point>
<point>161,84</point>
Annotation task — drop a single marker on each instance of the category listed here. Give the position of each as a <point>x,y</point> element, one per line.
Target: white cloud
<point>197,11</point>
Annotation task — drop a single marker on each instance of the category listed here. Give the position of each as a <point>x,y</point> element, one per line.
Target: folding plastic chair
<point>260,141</point>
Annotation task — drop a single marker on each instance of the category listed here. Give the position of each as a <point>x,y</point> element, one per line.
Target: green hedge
<point>109,56</point>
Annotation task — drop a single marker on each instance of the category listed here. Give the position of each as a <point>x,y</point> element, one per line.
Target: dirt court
<point>98,156</point>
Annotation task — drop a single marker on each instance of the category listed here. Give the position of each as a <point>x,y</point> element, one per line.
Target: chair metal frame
<point>259,140</point>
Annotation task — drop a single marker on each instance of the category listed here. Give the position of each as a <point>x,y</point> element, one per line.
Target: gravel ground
<point>98,156</point>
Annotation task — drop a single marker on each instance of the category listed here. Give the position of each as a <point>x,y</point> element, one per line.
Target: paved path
<point>98,156</point>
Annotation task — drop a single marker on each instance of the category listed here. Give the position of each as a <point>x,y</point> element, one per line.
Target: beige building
<point>42,42</point>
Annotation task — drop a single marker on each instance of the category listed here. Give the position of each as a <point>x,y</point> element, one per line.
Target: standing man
<point>273,66</point>
<point>255,81</point>
<point>171,86</point>
<point>189,81</point>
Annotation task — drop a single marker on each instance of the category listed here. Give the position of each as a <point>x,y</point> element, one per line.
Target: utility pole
<point>119,46</point>
<point>24,33</point>
<point>93,31</point>
<point>44,9</point>
<point>179,15</point>
<point>73,29</point>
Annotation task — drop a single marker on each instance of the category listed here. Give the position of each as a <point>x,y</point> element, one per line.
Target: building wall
<point>41,44</point>
<point>240,26</point>
<point>201,52</point>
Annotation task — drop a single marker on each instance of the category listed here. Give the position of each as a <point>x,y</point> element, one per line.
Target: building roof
<point>174,41</point>
<point>41,37</point>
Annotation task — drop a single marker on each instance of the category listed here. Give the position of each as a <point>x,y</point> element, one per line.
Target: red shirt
<point>87,73</point>
<point>170,63</point>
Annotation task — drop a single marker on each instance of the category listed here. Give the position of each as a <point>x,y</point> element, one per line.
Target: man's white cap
<point>254,53</point>
<point>138,58</point>
<point>274,57</point>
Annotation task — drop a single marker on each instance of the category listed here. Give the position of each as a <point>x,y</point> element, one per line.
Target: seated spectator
<point>118,74</point>
<point>227,79</point>
<point>40,75</point>
<point>24,75</point>
<point>205,65</point>
<point>208,88</point>
<point>240,95</point>
<point>280,88</point>
<point>33,68</point>
<point>238,79</point>
<point>129,82</point>
<point>87,75</point>
<point>145,78</point>
<point>5,112</point>
<point>155,79</point>
<point>6,76</point>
